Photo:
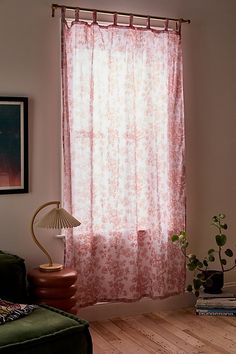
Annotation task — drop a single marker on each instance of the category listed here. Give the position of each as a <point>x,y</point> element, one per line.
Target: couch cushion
<point>46,331</point>
<point>13,278</point>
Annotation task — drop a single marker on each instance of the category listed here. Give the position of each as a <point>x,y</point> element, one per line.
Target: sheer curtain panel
<point>123,141</point>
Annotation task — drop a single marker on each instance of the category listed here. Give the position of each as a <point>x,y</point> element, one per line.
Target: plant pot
<point>214,281</point>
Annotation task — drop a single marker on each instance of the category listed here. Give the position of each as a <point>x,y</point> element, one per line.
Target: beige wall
<point>30,66</point>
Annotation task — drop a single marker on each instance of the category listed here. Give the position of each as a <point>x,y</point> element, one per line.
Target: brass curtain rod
<point>56,6</point>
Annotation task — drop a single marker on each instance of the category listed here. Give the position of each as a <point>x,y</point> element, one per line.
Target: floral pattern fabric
<point>10,311</point>
<point>123,144</point>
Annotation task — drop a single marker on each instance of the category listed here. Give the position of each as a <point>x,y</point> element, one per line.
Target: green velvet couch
<point>44,331</point>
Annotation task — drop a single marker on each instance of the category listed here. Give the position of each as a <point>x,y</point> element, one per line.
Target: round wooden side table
<point>55,289</point>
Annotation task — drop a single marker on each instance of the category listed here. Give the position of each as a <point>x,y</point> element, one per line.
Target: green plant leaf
<point>221,216</point>
<point>229,252</point>
<point>201,276</point>
<point>224,226</point>
<point>200,265</point>
<point>191,256</point>
<point>189,288</point>
<point>223,261</point>
<point>221,240</point>
<point>174,238</point>
<point>211,258</point>
<point>211,250</point>
<point>215,219</point>
<point>197,284</point>
<point>191,266</point>
<point>196,293</point>
<point>184,244</point>
<point>206,263</point>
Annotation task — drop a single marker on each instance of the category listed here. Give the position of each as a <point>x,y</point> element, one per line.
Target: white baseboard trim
<point>104,311</point>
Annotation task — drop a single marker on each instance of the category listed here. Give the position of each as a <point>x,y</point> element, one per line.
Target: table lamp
<point>57,218</point>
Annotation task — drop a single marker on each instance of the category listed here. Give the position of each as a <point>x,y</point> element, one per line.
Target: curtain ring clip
<point>131,20</point>
<point>95,17</point>
<point>148,22</point>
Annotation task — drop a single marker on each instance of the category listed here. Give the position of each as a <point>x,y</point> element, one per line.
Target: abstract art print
<point>13,145</point>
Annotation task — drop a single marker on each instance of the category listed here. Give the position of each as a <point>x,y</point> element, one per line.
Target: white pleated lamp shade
<point>58,218</point>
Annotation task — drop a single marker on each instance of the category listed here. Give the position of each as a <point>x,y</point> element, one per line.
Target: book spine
<point>220,296</point>
<point>214,304</point>
<point>213,307</point>
<point>215,313</point>
<point>209,301</point>
<point>220,309</point>
<point>231,299</point>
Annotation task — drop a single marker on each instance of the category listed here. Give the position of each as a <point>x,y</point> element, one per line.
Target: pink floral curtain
<point>123,141</point>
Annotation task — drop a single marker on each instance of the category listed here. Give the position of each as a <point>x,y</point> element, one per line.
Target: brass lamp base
<point>54,267</point>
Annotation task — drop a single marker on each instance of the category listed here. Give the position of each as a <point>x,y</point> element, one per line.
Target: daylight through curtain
<point>123,142</point>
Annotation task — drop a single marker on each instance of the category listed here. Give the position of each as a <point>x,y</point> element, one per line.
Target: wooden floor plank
<point>191,344</point>
<point>205,346</point>
<point>150,330</point>
<point>139,337</point>
<point>198,328</point>
<point>230,319</point>
<point>220,326</point>
<point>170,334</point>
<point>218,335</point>
<point>101,343</point>
<point>165,332</point>
<point>119,339</point>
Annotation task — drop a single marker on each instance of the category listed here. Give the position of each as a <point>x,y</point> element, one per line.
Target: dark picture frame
<point>13,145</point>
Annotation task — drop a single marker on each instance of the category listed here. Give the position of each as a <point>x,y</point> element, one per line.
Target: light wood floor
<point>176,332</point>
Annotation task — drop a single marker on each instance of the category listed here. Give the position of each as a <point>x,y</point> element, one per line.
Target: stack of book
<point>216,304</point>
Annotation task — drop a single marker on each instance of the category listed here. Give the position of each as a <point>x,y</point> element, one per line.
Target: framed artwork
<point>13,145</point>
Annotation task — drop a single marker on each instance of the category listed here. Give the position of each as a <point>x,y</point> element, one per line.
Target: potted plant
<point>211,280</point>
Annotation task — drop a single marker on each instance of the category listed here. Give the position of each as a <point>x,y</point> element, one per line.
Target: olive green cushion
<point>13,278</point>
<point>46,331</point>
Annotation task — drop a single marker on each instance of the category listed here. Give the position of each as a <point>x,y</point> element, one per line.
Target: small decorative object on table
<point>211,280</point>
